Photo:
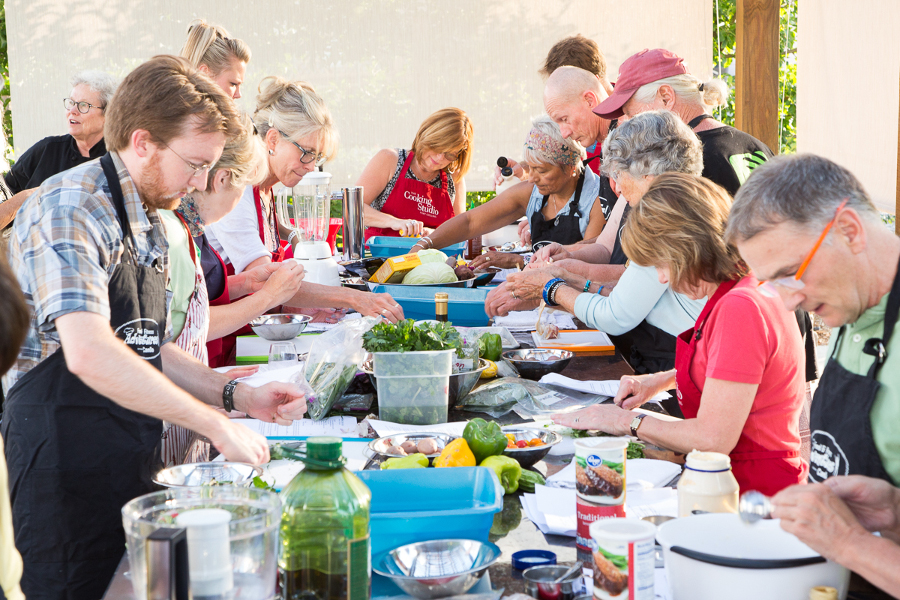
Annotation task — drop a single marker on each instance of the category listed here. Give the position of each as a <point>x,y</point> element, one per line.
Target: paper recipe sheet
<point>336,426</point>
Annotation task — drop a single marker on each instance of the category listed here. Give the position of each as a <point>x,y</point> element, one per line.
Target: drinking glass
<point>282,354</point>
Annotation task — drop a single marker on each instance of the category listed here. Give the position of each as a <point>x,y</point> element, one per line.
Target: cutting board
<point>582,340</point>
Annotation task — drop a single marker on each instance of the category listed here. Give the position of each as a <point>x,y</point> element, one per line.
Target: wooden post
<point>756,76</point>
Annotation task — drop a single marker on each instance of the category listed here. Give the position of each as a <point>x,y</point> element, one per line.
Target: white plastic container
<point>707,485</point>
<point>508,182</point>
<point>623,559</point>
<point>600,470</point>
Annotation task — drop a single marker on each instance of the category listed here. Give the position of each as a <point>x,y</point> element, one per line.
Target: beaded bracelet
<point>587,286</point>
<point>547,286</point>
<point>553,290</point>
<point>600,290</point>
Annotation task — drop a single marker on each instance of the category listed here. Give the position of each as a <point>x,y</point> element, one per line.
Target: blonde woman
<point>298,135</point>
<point>215,53</point>
<point>409,190</point>
<point>739,371</point>
<point>194,321</point>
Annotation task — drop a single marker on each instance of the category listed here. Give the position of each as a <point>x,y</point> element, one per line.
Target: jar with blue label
<point>707,485</point>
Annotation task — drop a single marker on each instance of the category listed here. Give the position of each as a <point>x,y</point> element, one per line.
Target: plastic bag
<point>332,364</point>
<point>529,399</point>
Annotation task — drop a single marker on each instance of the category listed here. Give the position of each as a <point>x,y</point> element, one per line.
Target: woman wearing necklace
<point>407,191</point>
<point>559,200</point>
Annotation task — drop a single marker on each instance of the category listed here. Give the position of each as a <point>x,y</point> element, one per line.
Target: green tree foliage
<point>4,92</point>
<point>724,26</point>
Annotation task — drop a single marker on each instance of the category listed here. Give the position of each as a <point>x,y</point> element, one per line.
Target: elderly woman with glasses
<point>739,371</point>
<point>299,134</point>
<point>641,314</point>
<point>407,191</point>
<point>91,92</point>
<point>559,200</point>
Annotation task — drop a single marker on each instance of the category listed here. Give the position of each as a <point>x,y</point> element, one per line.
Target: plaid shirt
<point>65,245</point>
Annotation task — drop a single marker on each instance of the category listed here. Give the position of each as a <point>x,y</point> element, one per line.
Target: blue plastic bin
<point>418,505</point>
<point>387,246</point>
<point>464,309</point>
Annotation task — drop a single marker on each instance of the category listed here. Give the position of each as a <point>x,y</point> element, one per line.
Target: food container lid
<point>709,462</point>
<point>622,530</point>
<point>324,448</point>
<point>315,178</point>
<point>525,559</point>
<point>602,443</point>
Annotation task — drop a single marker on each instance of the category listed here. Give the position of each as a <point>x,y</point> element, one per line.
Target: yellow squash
<point>456,454</point>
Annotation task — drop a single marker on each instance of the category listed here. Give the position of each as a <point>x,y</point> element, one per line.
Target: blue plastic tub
<point>464,309</point>
<point>387,246</point>
<point>418,505</point>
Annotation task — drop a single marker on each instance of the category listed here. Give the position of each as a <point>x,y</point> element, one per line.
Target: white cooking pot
<point>715,556</point>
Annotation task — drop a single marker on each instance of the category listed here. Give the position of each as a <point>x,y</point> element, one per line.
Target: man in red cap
<point>658,79</point>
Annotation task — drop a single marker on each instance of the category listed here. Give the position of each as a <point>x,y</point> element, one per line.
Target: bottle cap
<point>506,171</point>
<point>525,559</point>
<point>326,449</point>
<point>709,462</point>
<point>502,162</point>
<point>441,297</point>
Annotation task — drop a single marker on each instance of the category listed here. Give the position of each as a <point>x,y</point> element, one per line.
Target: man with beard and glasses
<point>86,396</point>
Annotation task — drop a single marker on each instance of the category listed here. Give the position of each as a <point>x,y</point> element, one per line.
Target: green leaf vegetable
<point>328,384</point>
<point>433,272</point>
<point>406,336</point>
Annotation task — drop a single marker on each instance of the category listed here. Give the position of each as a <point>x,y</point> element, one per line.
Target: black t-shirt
<point>730,155</point>
<point>46,158</point>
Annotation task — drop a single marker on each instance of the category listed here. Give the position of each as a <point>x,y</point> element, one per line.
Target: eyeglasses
<point>452,156</point>
<point>198,169</point>
<point>770,288</point>
<point>307,156</point>
<point>83,107</point>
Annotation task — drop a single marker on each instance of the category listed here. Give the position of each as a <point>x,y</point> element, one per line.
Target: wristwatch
<point>228,396</point>
<point>635,423</point>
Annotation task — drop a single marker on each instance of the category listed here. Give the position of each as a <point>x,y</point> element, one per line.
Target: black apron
<point>562,229</point>
<point>74,456</point>
<point>617,257</point>
<point>841,426</point>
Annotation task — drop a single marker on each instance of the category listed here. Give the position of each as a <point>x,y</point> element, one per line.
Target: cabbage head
<point>436,272</point>
<point>431,256</point>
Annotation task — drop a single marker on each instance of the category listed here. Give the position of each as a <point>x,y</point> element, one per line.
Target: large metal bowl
<point>381,445</point>
<point>279,328</point>
<point>460,383</point>
<point>534,363</point>
<point>529,456</point>
<point>465,283</point>
<point>207,473</point>
<point>437,569</point>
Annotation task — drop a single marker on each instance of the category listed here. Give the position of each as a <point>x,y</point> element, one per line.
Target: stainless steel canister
<point>354,224</point>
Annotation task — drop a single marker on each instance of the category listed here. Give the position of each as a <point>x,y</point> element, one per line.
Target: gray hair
<point>652,143</point>
<point>802,188</point>
<point>102,83</point>
<point>546,126</point>
<point>708,94</point>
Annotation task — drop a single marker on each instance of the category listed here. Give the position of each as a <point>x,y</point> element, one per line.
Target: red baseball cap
<point>644,67</point>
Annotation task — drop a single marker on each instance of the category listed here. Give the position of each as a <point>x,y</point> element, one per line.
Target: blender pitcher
<point>306,208</point>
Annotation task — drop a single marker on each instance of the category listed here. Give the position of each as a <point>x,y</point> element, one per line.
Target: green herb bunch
<point>406,336</point>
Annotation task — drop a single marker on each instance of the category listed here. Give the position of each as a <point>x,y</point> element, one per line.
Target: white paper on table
<point>336,426</point>
<point>525,320</point>
<point>253,346</point>
<point>267,375</point>
<point>383,428</point>
<point>322,327</point>
<point>558,507</point>
<point>603,388</point>
<point>646,503</point>
<point>529,505</point>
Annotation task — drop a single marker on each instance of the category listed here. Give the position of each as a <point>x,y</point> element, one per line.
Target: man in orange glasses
<point>808,229</point>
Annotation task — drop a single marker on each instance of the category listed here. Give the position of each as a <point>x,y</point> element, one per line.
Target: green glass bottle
<point>325,552</point>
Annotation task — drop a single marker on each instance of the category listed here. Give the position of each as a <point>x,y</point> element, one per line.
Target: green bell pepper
<point>413,461</point>
<point>490,346</point>
<point>485,438</point>
<point>507,469</point>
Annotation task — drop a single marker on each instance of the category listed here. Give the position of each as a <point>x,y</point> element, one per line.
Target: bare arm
<point>596,222</point>
<point>314,295</point>
<point>459,201</point>
<point>109,367</point>
<point>724,407</point>
<point>580,271</point>
<point>9,208</point>
<point>502,210</point>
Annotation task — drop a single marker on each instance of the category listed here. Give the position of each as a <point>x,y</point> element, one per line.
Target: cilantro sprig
<point>405,336</point>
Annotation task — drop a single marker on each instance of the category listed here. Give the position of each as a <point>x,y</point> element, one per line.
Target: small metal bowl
<point>528,456</point>
<point>208,473</point>
<point>381,445</point>
<point>437,569</point>
<point>278,328</point>
<point>539,582</point>
<point>532,363</point>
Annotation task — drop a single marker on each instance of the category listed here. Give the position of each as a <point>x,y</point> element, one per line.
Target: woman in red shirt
<point>406,191</point>
<point>739,373</point>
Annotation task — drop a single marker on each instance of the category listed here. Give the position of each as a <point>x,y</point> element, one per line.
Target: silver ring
<point>513,294</point>
<point>487,258</point>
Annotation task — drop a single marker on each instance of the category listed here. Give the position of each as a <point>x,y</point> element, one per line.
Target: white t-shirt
<point>236,236</point>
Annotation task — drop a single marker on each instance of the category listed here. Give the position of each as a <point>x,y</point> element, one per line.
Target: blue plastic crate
<point>418,505</point>
<point>465,307</point>
<point>387,246</point>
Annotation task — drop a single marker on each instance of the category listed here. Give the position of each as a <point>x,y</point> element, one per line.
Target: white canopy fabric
<point>381,66</point>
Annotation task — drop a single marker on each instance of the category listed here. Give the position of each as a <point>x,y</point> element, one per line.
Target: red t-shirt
<point>749,338</point>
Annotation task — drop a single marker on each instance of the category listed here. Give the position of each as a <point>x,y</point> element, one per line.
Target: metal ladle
<point>754,506</point>
<point>568,573</point>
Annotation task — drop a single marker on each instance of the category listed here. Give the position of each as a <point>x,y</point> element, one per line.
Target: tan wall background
<point>847,89</point>
<point>382,65</point>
